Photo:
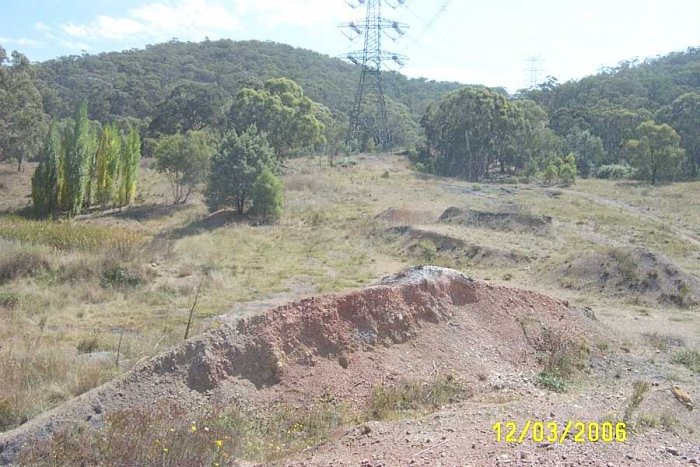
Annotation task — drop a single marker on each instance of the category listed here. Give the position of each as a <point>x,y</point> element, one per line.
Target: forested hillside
<point>608,108</point>
<point>133,83</point>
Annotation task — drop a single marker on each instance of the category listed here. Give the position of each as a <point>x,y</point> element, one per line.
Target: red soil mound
<point>409,326</point>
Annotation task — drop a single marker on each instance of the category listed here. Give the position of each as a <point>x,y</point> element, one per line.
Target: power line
<point>436,16</point>
<point>366,118</point>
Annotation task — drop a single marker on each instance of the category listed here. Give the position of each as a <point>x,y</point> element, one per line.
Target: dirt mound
<point>505,221</point>
<point>624,272</point>
<point>458,248</point>
<point>411,325</point>
<point>404,216</point>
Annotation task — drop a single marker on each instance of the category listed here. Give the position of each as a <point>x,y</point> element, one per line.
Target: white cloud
<point>185,19</point>
<point>272,13</point>
<point>20,41</point>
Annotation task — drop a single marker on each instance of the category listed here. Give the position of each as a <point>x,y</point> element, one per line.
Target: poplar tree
<point>107,166</point>
<point>130,158</point>
<point>80,151</point>
<point>45,182</point>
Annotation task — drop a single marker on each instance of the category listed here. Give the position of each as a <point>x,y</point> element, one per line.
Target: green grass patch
<point>71,236</point>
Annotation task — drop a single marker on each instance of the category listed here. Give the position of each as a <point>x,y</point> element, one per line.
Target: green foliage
<point>129,166</point>
<point>69,236</point>
<point>551,382</point>
<point>473,129</point>
<point>45,181</point>
<point>689,358</point>
<point>613,172</point>
<point>22,118</point>
<point>108,164</point>
<point>190,107</point>
<point>282,112</point>
<point>567,170</point>
<point>184,158</point>
<point>237,164</point>
<point>79,155</point>
<point>656,154</point>
<point>550,174</point>
<point>267,196</point>
<point>612,104</point>
<point>587,149</point>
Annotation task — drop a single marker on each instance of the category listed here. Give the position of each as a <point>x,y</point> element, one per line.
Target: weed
<point>551,382</point>
<point>426,250</point>
<point>119,275</point>
<point>639,391</point>
<point>392,402</point>
<point>88,345</point>
<point>9,300</point>
<point>688,358</point>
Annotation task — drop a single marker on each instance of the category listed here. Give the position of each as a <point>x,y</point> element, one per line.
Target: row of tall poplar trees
<point>82,167</point>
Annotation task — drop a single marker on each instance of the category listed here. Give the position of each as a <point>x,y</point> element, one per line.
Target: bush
<point>551,382</point>
<point>122,276</point>
<point>9,300</point>
<point>22,263</point>
<point>88,345</point>
<point>613,172</point>
<point>267,196</point>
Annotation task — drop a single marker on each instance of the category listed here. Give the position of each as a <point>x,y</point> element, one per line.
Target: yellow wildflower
<point>219,443</point>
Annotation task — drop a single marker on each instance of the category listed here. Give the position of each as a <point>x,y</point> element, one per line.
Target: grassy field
<point>71,291</point>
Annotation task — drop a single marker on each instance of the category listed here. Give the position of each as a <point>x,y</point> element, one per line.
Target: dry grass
<point>86,280</point>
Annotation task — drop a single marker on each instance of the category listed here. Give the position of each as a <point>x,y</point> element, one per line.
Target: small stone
<point>671,450</point>
<point>629,456</point>
<point>610,464</point>
<point>695,461</point>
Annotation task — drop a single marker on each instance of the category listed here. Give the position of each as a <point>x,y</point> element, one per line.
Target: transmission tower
<point>365,117</point>
<point>533,69</point>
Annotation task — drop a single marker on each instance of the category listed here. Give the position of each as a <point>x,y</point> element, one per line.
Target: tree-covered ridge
<point>611,106</point>
<point>133,83</point>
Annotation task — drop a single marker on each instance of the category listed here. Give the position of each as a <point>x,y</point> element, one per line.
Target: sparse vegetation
<point>688,358</point>
<point>415,397</point>
<point>639,391</point>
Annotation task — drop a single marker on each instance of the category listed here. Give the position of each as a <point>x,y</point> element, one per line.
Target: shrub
<point>21,263</point>
<point>9,300</point>
<point>689,358</point>
<point>613,172</point>
<point>551,382</point>
<point>120,275</point>
<point>267,196</point>
<point>88,345</point>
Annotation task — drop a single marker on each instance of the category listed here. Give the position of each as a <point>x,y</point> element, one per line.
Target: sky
<point>474,42</point>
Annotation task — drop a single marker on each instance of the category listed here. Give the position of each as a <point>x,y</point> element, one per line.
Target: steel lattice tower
<point>371,58</point>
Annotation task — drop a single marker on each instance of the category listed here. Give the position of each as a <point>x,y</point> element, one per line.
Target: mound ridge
<point>411,324</point>
<point>459,248</point>
<point>631,271</point>
<point>505,221</point>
